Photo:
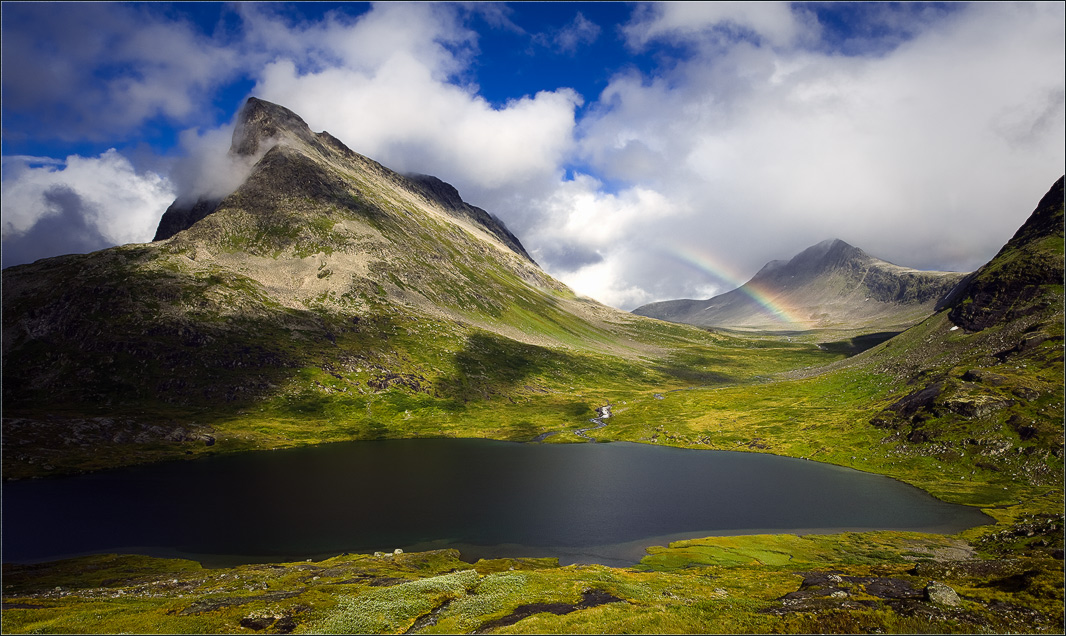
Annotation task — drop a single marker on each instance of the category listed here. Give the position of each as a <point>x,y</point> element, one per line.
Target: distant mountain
<point>831,284</point>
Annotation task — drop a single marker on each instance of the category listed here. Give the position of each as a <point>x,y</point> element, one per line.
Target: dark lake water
<point>584,503</point>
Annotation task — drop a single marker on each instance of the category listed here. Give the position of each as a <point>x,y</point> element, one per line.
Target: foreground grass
<point>852,582</point>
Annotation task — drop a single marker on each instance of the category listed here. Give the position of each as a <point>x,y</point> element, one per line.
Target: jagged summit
<point>262,126</point>
<point>829,284</point>
<point>827,255</point>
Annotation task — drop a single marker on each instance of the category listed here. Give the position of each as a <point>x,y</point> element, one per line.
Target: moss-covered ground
<point>755,394</point>
<point>971,417</point>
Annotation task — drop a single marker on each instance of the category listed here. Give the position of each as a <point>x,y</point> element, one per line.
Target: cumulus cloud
<point>100,70</point>
<point>82,204</point>
<point>65,229</point>
<point>917,156</point>
<point>923,134</point>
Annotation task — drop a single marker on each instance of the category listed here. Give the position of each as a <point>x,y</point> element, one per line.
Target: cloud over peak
<point>735,133</point>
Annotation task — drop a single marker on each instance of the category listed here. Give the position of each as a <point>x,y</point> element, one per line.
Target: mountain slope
<point>1011,285</point>
<point>831,284</point>
<point>326,298</point>
<point>991,364</point>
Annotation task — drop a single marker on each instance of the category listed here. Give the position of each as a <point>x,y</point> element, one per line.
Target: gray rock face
<point>181,215</point>
<point>448,197</point>
<point>261,122</point>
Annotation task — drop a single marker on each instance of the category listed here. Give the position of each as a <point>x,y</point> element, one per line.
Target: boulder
<point>941,594</point>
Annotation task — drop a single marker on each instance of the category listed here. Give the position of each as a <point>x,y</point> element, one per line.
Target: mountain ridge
<point>262,125</point>
<point>830,284</point>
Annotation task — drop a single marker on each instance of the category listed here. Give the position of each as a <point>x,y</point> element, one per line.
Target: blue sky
<point>640,151</point>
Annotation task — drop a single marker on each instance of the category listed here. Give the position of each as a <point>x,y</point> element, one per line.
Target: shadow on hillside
<point>694,369</point>
<point>858,344</point>
<point>489,365</point>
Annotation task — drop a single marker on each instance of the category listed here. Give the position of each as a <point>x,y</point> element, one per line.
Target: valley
<point>329,299</point>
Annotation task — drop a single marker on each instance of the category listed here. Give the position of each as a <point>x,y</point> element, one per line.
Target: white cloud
<point>115,201</point>
<point>206,168</point>
<point>930,156</point>
<point>389,96</point>
<point>99,71</point>
<point>775,22</point>
<point>570,37</point>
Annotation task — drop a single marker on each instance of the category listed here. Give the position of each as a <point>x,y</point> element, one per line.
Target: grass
<point>504,355</point>
<point>716,585</point>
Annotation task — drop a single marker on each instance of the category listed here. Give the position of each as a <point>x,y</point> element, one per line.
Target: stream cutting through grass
<point>583,503</point>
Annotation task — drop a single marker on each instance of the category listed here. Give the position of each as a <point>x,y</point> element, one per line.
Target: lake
<point>582,503</point>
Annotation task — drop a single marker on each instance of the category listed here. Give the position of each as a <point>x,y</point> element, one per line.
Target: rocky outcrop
<point>181,215</point>
<point>1012,284</point>
<point>448,197</point>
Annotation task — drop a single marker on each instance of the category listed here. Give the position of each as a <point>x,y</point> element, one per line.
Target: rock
<point>977,405</point>
<point>980,375</point>
<point>285,625</point>
<point>397,551</point>
<point>941,594</point>
<point>257,622</point>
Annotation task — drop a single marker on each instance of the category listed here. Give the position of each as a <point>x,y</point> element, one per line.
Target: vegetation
<point>327,300</point>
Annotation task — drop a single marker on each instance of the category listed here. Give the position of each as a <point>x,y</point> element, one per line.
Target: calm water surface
<point>584,503</point>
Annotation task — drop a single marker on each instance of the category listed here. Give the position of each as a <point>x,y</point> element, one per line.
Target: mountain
<point>831,284</point>
<point>326,290</point>
<point>983,377</point>
<point>1011,285</point>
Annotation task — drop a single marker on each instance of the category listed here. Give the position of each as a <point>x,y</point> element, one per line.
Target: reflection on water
<point>581,502</point>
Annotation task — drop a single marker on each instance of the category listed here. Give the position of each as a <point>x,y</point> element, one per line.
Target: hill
<point>968,405</point>
<point>326,298</point>
<point>330,298</point>
<point>828,285</point>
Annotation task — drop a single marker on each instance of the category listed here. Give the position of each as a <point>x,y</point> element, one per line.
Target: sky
<point>640,152</point>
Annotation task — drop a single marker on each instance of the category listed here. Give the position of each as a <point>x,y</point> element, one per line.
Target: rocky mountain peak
<point>261,122</point>
<point>827,256</point>
<point>830,283</point>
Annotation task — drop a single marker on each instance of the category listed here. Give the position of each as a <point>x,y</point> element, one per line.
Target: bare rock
<point>941,594</point>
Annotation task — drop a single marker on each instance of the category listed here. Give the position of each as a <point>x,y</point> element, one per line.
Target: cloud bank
<point>923,134</point>
<point>77,205</point>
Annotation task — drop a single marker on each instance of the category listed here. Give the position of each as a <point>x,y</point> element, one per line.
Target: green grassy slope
<point>295,316</point>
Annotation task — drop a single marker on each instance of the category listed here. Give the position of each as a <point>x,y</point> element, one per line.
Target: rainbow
<point>706,264</point>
